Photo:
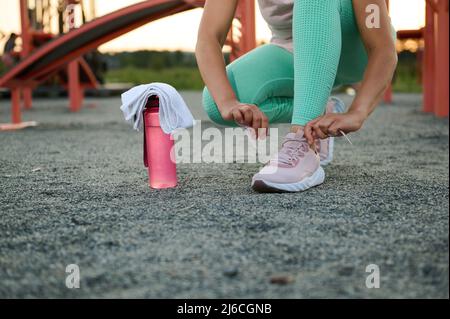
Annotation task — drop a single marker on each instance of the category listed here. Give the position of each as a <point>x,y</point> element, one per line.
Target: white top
<point>278,15</point>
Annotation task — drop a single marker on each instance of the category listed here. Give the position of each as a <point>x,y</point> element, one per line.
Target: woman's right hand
<point>248,115</point>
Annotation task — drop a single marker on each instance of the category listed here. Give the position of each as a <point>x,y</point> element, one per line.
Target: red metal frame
<point>76,93</point>
<point>436,58</point>
<point>435,62</point>
<point>26,29</point>
<point>22,91</point>
<point>15,100</point>
<point>428,65</point>
<point>74,86</point>
<point>246,41</point>
<point>13,74</point>
<point>18,79</point>
<point>26,50</point>
<point>441,99</point>
<point>388,93</point>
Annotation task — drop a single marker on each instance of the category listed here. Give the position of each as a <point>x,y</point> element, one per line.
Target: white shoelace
<point>347,138</point>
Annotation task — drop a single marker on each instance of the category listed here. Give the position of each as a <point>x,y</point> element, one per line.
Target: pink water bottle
<point>158,149</point>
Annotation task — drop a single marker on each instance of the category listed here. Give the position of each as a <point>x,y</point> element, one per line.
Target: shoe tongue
<point>291,142</point>
<point>294,137</point>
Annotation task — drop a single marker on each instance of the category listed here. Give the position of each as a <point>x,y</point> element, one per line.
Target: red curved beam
<point>410,34</point>
<point>78,42</point>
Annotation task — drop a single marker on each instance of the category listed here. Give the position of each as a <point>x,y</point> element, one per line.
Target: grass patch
<point>186,78</point>
<point>407,79</point>
<point>180,78</point>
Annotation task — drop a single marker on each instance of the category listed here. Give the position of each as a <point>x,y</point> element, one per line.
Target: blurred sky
<point>180,31</point>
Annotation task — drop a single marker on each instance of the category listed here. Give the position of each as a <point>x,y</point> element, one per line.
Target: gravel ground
<point>73,191</point>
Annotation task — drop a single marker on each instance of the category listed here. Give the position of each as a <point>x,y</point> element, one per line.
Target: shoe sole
<point>314,180</point>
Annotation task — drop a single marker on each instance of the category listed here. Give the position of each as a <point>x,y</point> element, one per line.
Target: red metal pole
<point>73,70</point>
<point>247,17</point>
<point>388,92</point>
<point>429,61</point>
<point>442,55</point>
<point>248,20</point>
<point>26,47</point>
<point>25,25</point>
<point>81,91</point>
<point>16,116</point>
<point>27,98</point>
<point>75,94</point>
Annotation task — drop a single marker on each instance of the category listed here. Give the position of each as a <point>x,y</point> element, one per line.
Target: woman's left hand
<point>333,125</point>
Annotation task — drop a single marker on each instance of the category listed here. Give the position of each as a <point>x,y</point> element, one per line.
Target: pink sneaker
<point>326,147</point>
<point>296,168</point>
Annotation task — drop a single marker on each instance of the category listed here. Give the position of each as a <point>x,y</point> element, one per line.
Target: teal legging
<point>294,88</point>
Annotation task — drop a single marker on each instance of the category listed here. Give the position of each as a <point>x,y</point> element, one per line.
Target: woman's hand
<point>248,115</point>
<point>333,125</point>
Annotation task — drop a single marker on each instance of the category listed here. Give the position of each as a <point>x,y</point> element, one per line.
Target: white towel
<point>173,111</point>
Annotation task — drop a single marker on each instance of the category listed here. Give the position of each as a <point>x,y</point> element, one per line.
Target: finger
<point>335,129</point>
<point>264,126</point>
<point>314,122</point>
<point>324,124</point>
<point>317,119</point>
<point>248,116</point>
<point>238,117</point>
<point>308,132</point>
<point>318,131</point>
